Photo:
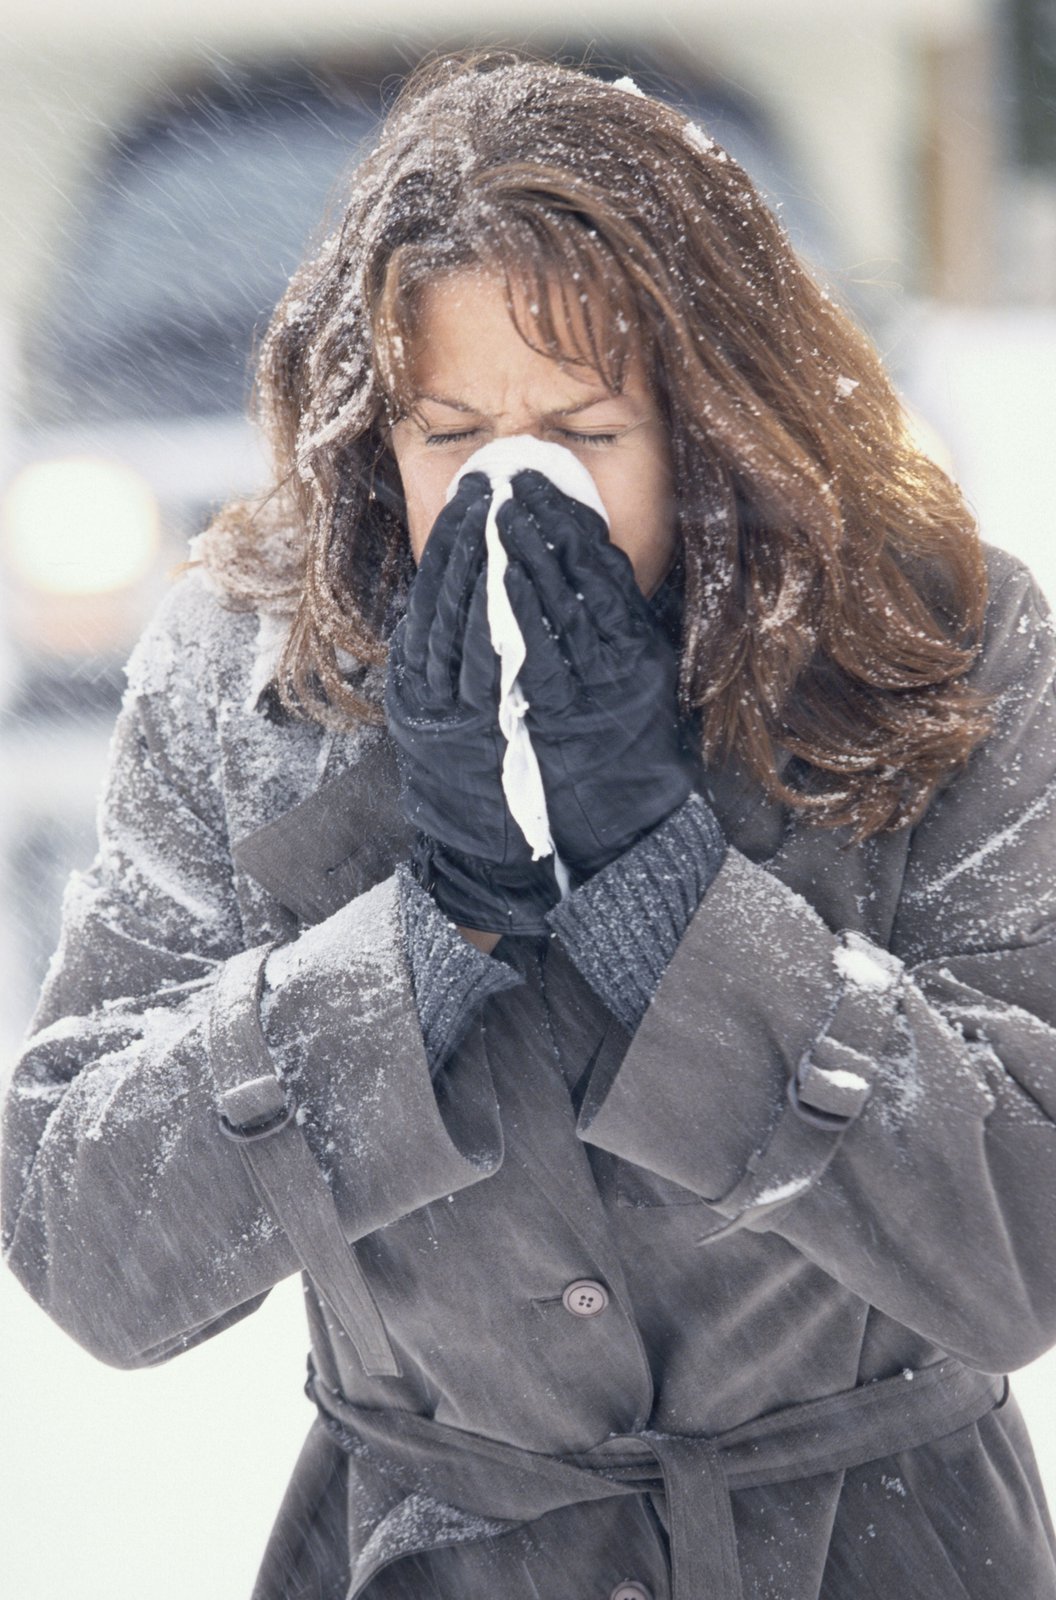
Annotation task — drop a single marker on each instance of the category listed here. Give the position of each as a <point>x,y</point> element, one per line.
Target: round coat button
<point>585,1298</point>
<point>630,1591</point>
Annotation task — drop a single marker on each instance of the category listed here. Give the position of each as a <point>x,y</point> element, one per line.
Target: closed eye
<point>565,433</point>
<point>450,438</point>
<point>588,438</point>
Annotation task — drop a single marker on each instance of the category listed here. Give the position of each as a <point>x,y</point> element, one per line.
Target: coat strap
<point>259,1114</point>
<point>700,1517</point>
<point>481,1477</point>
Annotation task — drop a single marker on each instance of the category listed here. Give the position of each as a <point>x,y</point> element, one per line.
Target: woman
<point>667,1200</point>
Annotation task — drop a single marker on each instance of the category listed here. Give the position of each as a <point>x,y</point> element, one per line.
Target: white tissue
<point>522,781</point>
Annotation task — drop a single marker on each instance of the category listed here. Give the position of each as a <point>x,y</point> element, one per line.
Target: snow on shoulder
<point>188,631</point>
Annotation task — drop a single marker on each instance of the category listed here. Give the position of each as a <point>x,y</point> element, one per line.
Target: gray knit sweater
<point>621,929</point>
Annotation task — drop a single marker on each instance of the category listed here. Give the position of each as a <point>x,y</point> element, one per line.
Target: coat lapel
<point>338,843</point>
<point>349,834</point>
<point>756,825</point>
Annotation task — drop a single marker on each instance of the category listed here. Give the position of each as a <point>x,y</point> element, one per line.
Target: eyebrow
<point>568,411</point>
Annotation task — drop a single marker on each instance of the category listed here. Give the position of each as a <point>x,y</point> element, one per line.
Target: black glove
<point>441,701</point>
<point>600,678</point>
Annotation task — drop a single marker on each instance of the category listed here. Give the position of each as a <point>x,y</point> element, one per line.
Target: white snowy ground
<point>118,1486</point>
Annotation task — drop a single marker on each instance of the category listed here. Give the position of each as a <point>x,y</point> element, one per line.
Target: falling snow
<point>471,1198</point>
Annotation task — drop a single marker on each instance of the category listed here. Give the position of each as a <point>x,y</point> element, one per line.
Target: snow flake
<point>786,607</point>
<point>272,631</point>
<point>842,1077</point>
<point>782,1191</point>
<point>418,1523</point>
<point>865,965</point>
<point>150,667</point>
<point>997,842</point>
<point>695,135</point>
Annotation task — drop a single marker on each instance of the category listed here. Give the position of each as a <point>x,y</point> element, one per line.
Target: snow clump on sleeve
<point>864,965</point>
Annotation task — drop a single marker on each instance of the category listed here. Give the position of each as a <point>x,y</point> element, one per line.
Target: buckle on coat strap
<point>255,1109</point>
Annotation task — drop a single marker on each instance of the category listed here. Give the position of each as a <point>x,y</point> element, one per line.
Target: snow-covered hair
<point>832,575</point>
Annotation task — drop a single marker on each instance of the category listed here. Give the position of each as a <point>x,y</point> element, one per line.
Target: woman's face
<point>474,379</point>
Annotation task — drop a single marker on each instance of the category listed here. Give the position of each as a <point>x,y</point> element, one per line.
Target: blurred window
<point>187,235</point>
<point>188,238</point>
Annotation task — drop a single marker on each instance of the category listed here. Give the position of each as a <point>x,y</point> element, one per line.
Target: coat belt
<point>695,1472</point>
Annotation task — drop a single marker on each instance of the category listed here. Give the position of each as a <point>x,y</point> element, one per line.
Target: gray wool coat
<point>710,1310</point>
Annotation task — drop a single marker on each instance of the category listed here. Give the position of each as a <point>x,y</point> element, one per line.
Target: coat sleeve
<point>127,1213</point>
<point>888,1111</point>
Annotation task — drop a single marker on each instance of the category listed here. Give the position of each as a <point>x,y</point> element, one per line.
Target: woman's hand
<point>441,702</point>
<point>600,678</point>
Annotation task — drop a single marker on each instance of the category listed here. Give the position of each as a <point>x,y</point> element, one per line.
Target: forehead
<point>470,327</point>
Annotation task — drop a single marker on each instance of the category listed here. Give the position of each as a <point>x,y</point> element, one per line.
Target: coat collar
<point>339,842</point>
<point>349,834</point>
<point>755,824</point>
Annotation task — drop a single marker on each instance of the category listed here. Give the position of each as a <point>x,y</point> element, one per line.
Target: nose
<point>518,425</point>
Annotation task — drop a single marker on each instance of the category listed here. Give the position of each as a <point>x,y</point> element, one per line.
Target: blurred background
<point>165,165</point>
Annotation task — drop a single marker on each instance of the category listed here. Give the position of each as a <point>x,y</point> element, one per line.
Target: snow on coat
<point>753,1260</point>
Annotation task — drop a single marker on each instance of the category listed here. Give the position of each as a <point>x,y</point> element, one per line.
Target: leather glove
<point>441,702</point>
<point>600,678</point>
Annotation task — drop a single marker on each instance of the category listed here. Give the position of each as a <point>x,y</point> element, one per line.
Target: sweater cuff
<point>622,927</point>
<point>450,978</point>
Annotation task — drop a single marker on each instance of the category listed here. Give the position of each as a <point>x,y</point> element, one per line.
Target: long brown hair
<point>832,575</point>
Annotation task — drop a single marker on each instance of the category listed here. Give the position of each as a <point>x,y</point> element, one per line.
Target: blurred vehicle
<point>130,423</point>
<point>136,371</point>
<point>134,379</point>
